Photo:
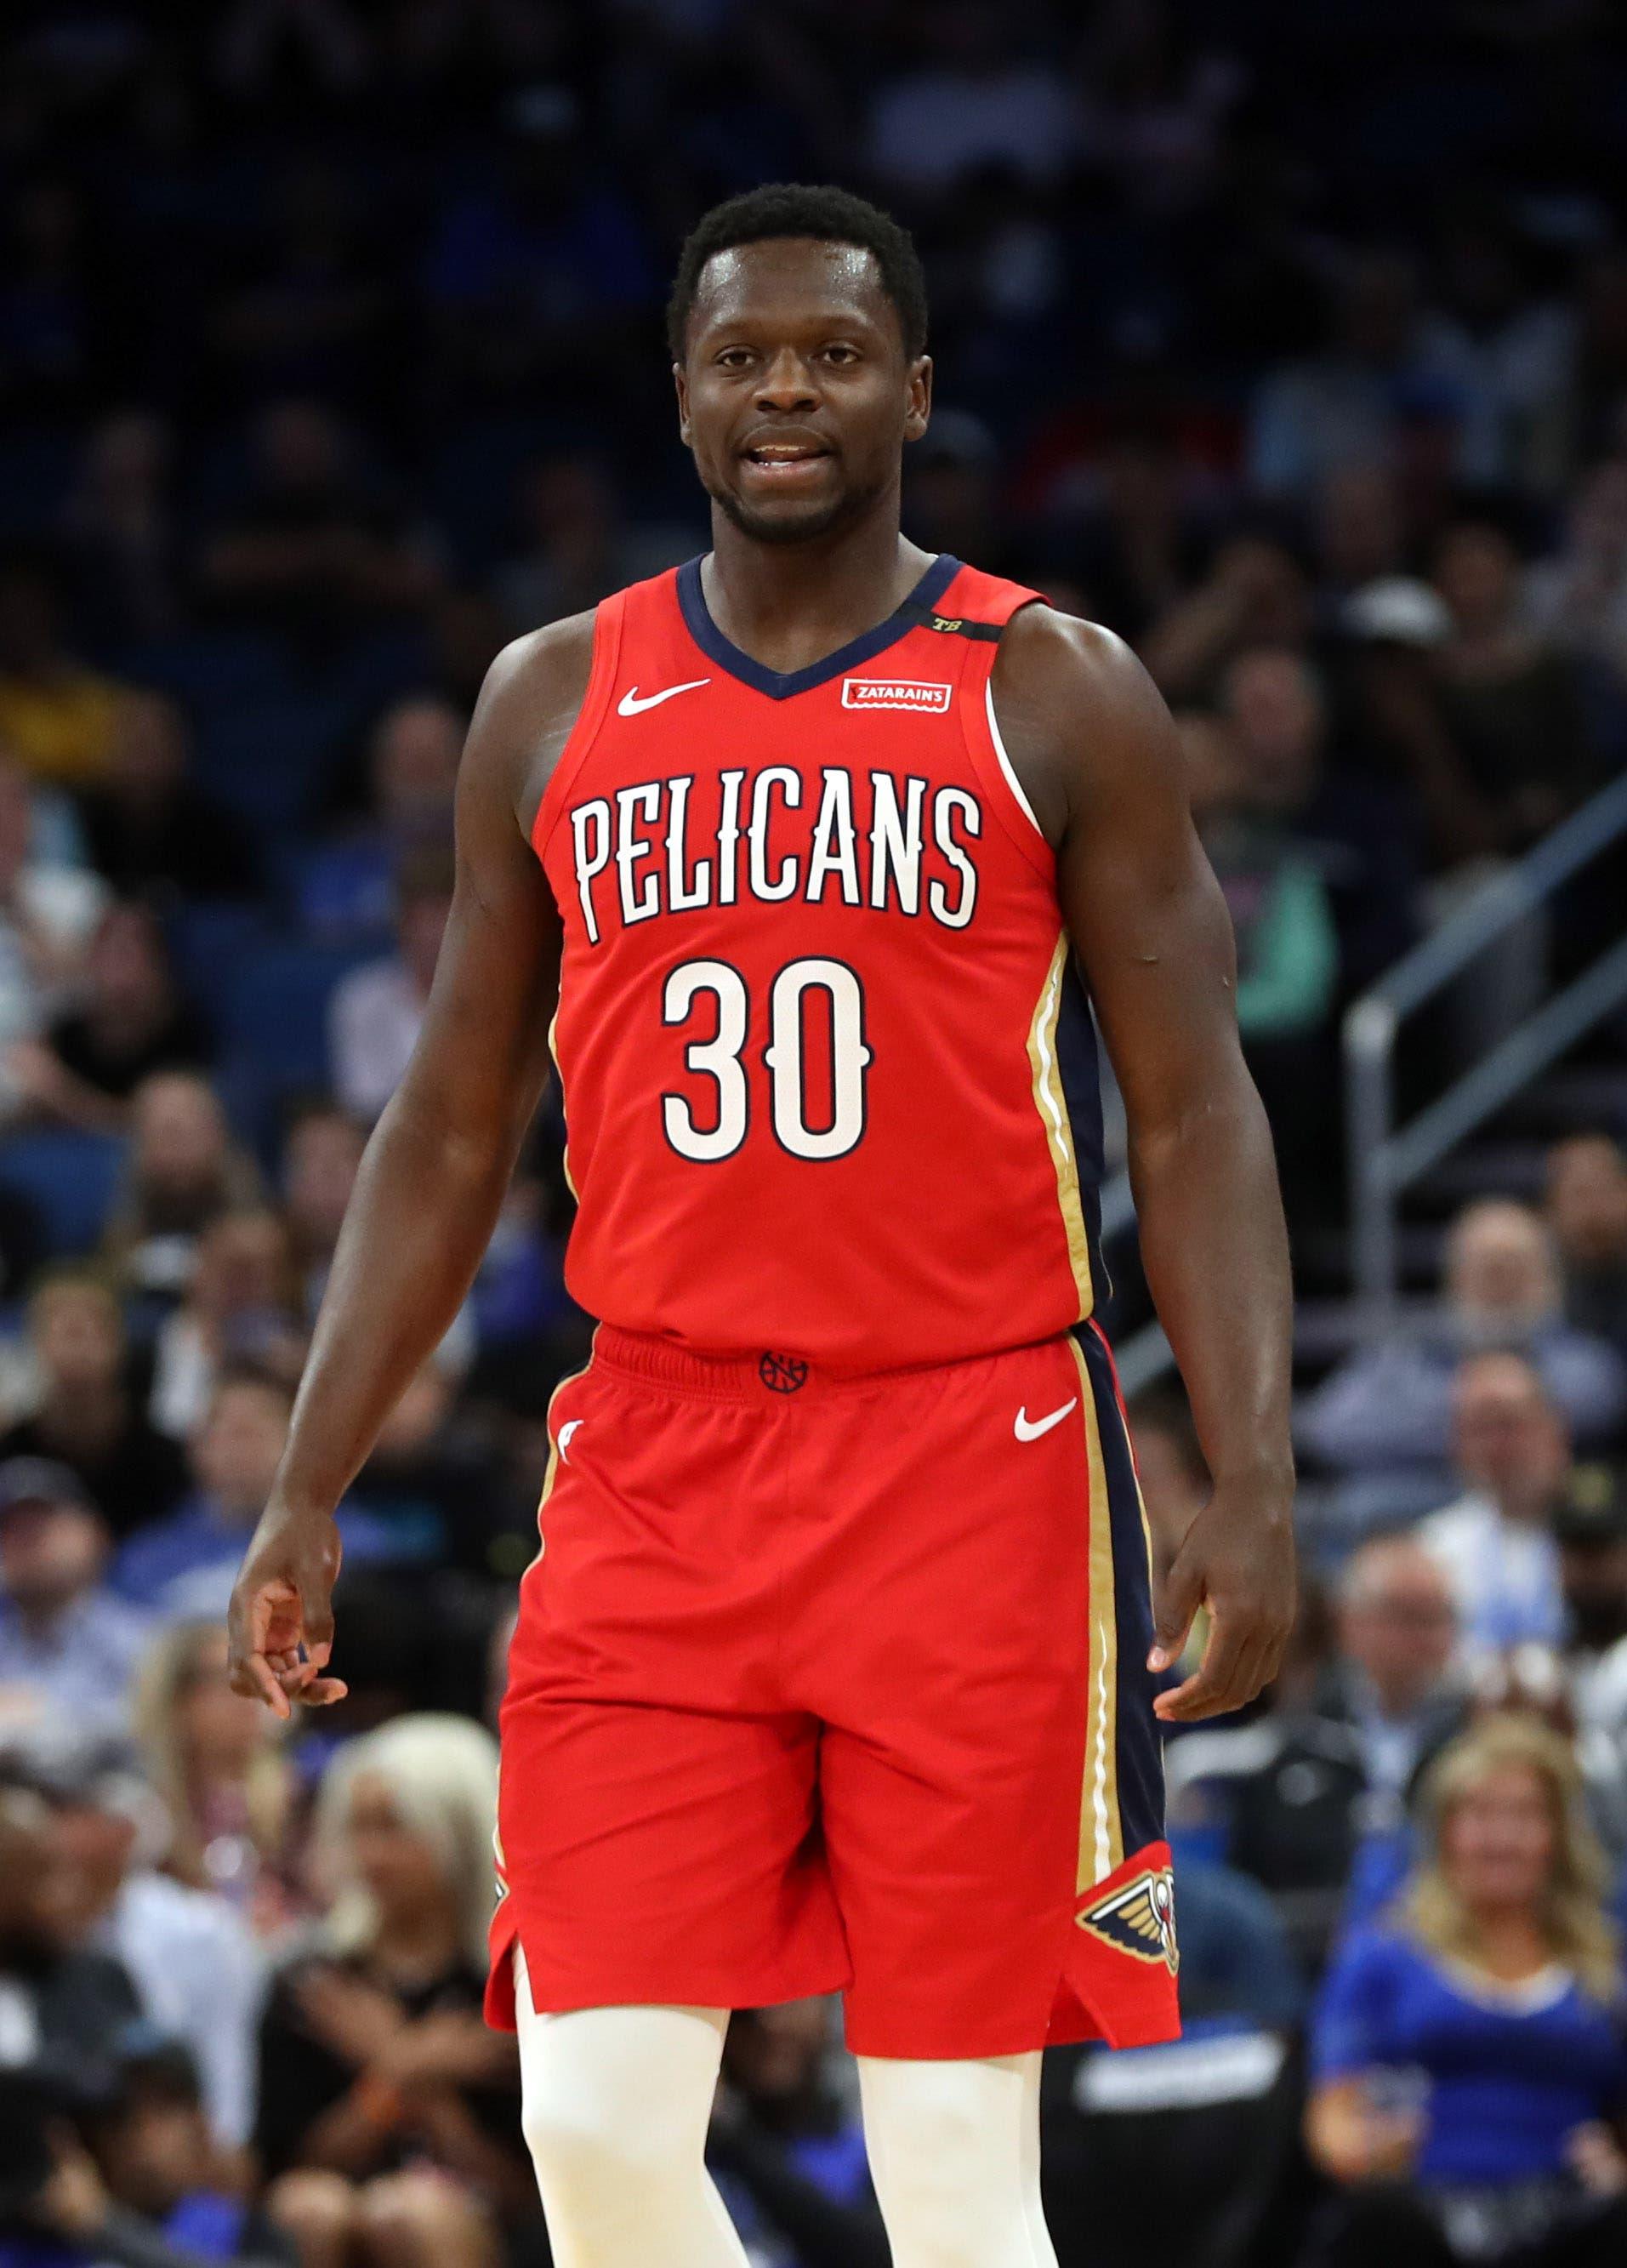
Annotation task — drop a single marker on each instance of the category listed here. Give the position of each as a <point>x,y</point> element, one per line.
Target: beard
<point>843,511</point>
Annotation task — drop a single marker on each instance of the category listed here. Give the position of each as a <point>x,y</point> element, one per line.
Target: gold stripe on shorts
<point>1102,1840</point>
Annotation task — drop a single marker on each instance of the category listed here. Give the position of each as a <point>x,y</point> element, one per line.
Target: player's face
<point>795,394</point>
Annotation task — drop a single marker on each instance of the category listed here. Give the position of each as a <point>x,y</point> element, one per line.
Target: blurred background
<point>1291,343</point>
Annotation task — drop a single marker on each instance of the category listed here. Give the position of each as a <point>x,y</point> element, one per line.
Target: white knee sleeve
<point>616,2104</point>
<point>954,2153</point>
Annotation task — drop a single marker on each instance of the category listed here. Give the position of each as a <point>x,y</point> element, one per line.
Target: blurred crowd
<point>1290,343</point>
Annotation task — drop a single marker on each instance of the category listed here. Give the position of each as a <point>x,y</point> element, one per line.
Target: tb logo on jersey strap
<point>1139,1917</point>
<point>630,705</point>
<point>782,1374</point>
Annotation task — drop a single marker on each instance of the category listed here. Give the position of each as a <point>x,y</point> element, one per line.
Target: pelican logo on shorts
<point>782,1374</point>
<point>1139,1917</point>
<point>918,693</point>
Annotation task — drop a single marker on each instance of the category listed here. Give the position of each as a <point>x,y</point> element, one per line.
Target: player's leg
<point>954,2153</point>
<point>616,2104</point>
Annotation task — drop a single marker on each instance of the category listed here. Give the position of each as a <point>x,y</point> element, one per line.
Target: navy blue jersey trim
<point>1079,1064</point>
<point>780,684</point>
<point>1140,1758</point>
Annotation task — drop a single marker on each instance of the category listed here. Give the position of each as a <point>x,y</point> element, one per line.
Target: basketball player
<point>835,1668</point>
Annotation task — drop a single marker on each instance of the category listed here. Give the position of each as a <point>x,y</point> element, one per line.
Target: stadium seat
<point>1187,2153</point>
<point>273,1015</point>
<point>71,1178</point>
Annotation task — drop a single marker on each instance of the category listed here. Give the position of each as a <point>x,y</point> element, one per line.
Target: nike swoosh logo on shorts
<point>565,1431</point>
<point>1027,1428</point>
<point>630,705</point>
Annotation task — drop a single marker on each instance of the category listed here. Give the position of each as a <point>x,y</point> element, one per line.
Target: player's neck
<point>788,605</point>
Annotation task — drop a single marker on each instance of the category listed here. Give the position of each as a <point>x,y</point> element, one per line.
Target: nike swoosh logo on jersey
<point>630,705</point>
<point>1029,1429</point>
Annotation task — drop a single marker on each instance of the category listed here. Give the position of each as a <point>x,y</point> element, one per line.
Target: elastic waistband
<point>768,1376</point>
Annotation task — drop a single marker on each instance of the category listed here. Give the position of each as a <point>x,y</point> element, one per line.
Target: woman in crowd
<point>217,1761</point>
<point>1468,2058</point>
<point>389,2116</point>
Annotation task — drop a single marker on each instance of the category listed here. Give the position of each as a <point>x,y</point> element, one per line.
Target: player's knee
<point>950,2192</point>
<point>587,2149</point>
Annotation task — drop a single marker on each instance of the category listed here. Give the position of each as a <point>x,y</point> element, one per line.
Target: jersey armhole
<point>600,678</point>
<point>994,766</point>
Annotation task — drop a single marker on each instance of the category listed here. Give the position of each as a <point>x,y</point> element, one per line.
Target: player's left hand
<point>1238,1557</point>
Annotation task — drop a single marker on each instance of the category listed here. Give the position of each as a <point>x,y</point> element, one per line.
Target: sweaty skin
<point>796,398</point>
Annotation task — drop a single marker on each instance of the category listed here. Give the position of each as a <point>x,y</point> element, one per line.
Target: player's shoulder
<point>1047,656</point>
<point>540,664</point>
<point>1084,723</point>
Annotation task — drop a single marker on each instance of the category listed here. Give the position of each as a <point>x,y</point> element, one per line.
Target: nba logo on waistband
<point>894,693</point>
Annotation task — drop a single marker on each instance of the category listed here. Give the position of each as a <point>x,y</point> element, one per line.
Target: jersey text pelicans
<point>829,1071</point>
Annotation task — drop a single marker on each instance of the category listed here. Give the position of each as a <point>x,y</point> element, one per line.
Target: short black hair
<point>781,209</point>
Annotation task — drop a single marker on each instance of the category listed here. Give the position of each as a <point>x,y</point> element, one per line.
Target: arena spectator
<point>577,546</point>
<point>1387,359</point>
<point>376,1012</point>
<point>129,1021</point>
<point>184,1169</point>
<point>388,2113</point>
<point>184,1566</point>
<point>1584,1203</point>
<point>63,2003</point>
<point>217,1762</point>
<point>139,2181</point>
<point>316,303</point>
<point>1359,527</point>
<point>1287,948</point>
<point>1590,1528</point>
<point>1495,1544</point>
<point>1169,1464</point>
<point>1467,2056</point>
<point>787,2151</point>
<point>1254,597</point>
<point>1511,705</point>
<point>1576,599</point>
<point>1347,824</point>
<point>48,914</point>
<point>976,104</point>
<point>152,830</point>
<point>348,887</point>
<point>314,547</point>
<point>1292,1799</point>
<point>119,529</point>
<point>430,1482</point>
<point>321,1156</point>
<point>56,714</point>
<point>68,1645</point>
<point>240,1307</point>
<point>1385,1414</point>
<point>86,1413</point>
<point>192,1961</point>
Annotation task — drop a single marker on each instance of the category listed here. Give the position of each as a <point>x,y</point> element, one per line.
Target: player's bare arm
<point>1096,751</point>
<point>434,1172</point>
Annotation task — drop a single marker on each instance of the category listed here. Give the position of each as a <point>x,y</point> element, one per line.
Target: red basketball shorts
<point>837,1682</point>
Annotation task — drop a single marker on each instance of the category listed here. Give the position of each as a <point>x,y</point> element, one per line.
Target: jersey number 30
<point>721,1059</point>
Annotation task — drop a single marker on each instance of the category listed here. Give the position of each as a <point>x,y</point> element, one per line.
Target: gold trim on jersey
<point>564,1155</point>
<point>550,1471</point>
<point>1101,1835</point>
<point>1052,1105</point>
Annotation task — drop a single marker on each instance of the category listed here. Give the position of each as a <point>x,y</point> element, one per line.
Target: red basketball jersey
<point>829,1070</point>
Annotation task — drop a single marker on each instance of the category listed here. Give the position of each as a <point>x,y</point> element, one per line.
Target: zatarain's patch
<point>894,693</point>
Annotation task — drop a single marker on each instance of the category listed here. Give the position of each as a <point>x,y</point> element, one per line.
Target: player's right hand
<point>280,1626</point>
